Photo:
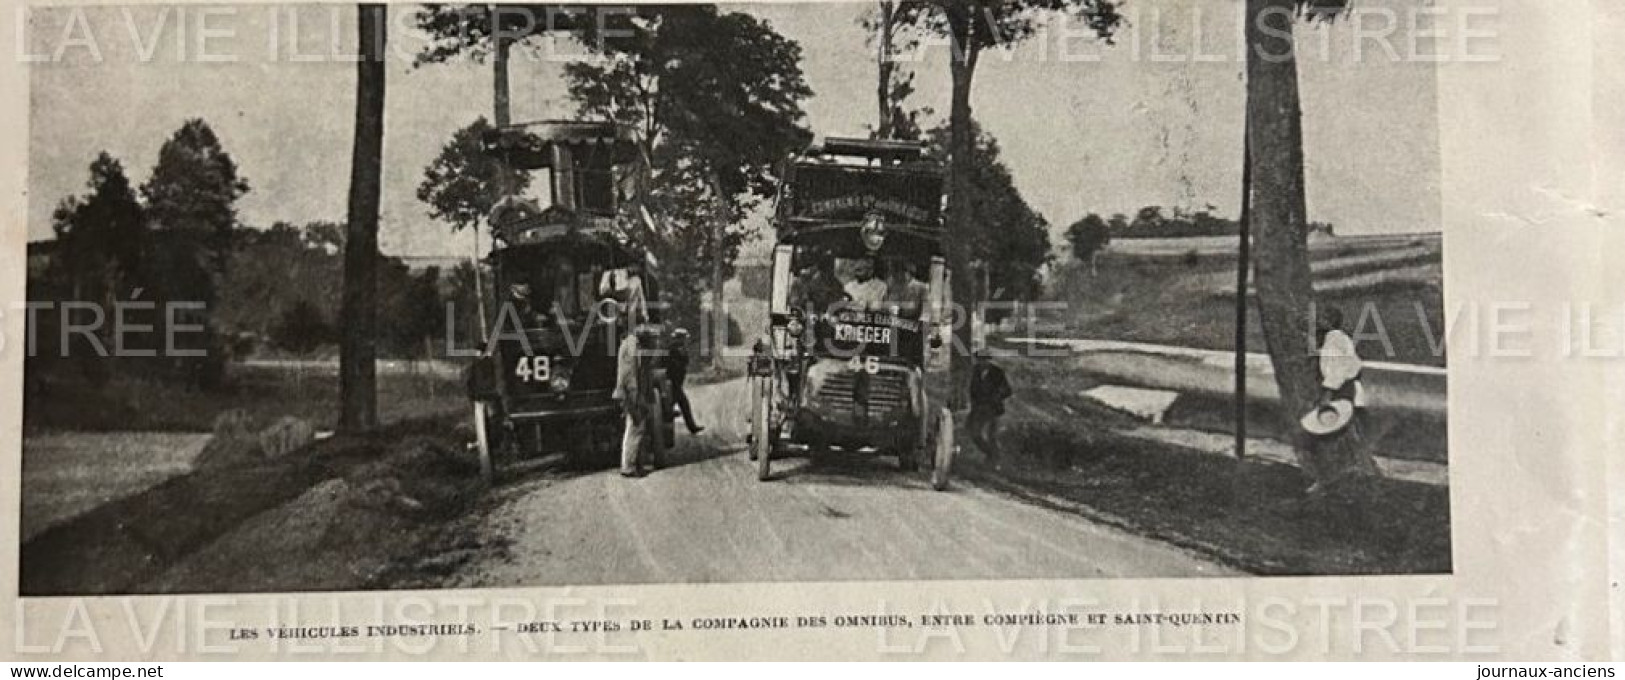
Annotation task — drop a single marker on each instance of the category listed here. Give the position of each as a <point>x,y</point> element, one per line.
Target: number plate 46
<point>870,365</point>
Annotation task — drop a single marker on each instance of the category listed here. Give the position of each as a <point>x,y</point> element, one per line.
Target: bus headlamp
<point>561,379</point>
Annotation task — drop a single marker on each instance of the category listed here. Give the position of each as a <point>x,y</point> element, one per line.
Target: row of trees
<point>285,287</point>
<point>166,241</point>
<point>176,239</point>
<point>106,236</point>
<point>1093,232</point>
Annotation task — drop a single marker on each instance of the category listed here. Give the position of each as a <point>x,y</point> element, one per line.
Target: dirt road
<point>707,519</point>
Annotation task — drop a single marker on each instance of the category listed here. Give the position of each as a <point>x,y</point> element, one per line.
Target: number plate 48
<point>533,369</point>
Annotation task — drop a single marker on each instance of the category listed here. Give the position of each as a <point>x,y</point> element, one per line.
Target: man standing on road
<point>988,389</point>
<point>632,390</point>
<point>677,372</point>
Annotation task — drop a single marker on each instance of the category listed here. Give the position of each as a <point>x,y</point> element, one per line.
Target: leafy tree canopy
<point>192,195</point>
<point>469,29</point>
<point>1005,231</point>
<point>716,100</point>
<point>464,182</point>
<point>1088,236</point>
<point>723,89</point>
<point>195,184</point>
<point>102,233</point>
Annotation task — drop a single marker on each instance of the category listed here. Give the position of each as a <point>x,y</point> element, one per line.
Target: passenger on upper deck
<point>866,289</point>
<point>906,294</point>
<point>625,286</point>
<point>524,309</point>
<point>816,287</point>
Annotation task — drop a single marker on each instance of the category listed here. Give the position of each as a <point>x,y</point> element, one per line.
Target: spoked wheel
<point>944,453</point>
<point>761,443</point>
<point>754,386</point>
<point>908,457</point>
<point>908,460</point>
<point>920,451</point>
<point>655,415</point>
<point>482,436</point>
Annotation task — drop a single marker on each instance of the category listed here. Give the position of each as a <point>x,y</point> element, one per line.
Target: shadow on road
<point>698,449</point>
<point>846,469</point>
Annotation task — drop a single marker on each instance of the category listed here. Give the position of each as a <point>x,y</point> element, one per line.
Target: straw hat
<point>1328,418</point>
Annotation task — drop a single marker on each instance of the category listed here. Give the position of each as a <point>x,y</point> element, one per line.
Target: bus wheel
<point>654,448</point>
<point>761,443</point>
<point>750,432</point>
<point>482,439</point>
<point>908,456</point>
<point>944,453</point>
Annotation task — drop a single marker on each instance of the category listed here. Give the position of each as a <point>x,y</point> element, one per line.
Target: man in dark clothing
<point>677,372</point>
<point>988,389</point>
<point>815,287</point>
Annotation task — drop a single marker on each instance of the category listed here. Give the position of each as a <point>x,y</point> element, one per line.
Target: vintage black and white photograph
<point>415,296</point>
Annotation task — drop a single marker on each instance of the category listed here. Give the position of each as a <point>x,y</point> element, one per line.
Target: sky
<point>1155,119</point>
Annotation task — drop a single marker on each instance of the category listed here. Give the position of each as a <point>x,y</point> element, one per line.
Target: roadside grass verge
<point>263,527</point>
<point>1250,515</point>
<point>1063,452</point>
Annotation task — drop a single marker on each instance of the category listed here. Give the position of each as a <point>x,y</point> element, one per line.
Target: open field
<point>88,447</point>
<point>1216,245</point>
<point>67,474</point>
<point>310,393</point>
<point>338,514</point>
<point>1390,289</point>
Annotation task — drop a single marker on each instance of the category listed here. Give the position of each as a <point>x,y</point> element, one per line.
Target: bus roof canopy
<point>529,146</point>
<point>857,194</point>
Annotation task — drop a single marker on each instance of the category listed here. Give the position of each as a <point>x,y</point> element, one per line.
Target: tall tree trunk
<point>883,60</point>
<point>1279,224</point>
<point>358,394</point>
<point>501,115</point>
<point>719,219</point>
<point>499,72</point>
<point>961,141</point>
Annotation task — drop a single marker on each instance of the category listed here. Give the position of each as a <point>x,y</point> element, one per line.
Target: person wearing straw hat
<point>1339,361</point>
<point>1342,395</point>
